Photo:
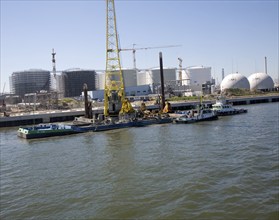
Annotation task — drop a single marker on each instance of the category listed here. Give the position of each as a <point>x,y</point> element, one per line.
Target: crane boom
<point>144,48</point>
<point>114,93</point>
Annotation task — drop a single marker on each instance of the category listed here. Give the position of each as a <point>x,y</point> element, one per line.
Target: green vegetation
<point>245,92</point>
<point>185,98</point>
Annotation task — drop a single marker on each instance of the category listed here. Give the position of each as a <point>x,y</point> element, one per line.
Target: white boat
<point>222,108</point>
<point>196,115</point>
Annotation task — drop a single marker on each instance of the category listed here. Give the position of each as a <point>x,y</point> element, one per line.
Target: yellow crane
<point>144,48</point>
<point>114,92</point>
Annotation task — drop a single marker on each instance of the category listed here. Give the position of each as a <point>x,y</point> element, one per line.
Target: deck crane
<point>144,48</point>
<point>114,92</point>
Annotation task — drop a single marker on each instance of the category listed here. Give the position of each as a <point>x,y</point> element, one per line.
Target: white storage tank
<point>199,74</point>
<point>235,81</point>
<point>129,77</point>
<point>260,81</point>
<point>152,77</point>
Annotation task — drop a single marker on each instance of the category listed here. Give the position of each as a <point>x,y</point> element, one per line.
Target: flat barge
<point>46,130</point>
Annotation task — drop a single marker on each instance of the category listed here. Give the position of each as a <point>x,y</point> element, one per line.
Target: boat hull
<point>152,121</point>
<point>194,120</point>
<point>44,134</point>
<point>235,112</point>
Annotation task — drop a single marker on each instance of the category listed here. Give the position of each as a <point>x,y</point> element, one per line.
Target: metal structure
<point>53,63</point>
<point>144,48</point>
<point>114,94</point>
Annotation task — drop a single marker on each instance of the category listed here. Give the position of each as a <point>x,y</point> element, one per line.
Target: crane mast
<point>114,93</point>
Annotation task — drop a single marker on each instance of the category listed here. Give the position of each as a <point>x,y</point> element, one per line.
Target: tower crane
<point>114,92</point>
<point>144,48</point>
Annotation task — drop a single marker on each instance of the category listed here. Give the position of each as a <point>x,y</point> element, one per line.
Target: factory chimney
<point>265,64</point>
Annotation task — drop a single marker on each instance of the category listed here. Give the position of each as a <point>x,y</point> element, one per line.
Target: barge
<point>47,130</point>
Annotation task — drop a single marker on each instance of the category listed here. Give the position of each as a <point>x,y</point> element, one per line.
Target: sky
<point>234,35</point>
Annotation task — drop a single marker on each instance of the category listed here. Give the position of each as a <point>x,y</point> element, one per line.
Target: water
<point>224,169</point>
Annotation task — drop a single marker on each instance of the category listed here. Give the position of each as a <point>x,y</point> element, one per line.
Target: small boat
<point>221,108</point>
<point>196,115</point>
<point>47,130</point>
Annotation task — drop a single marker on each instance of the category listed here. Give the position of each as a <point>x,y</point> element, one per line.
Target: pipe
<point>85,100</point>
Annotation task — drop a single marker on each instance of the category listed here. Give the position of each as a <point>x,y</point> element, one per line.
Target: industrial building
<point>29,81</point>
<point>235,81</point>
<point>261,81</point>
<point>74,79</point>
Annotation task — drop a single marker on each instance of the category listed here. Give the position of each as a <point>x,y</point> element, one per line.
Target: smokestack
<point>265,64</point>
<point>223,73</point>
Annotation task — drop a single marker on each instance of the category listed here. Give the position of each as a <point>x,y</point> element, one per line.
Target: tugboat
<point>196,115</point>
<point>221,108</point>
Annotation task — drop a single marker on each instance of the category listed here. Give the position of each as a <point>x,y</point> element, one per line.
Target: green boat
<point>47,130</point>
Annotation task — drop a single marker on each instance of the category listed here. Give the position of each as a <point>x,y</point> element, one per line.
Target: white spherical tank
<point>233,81</point>
<point>260,81</point>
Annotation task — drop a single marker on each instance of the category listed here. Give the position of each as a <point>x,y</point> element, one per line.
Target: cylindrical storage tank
<point>29,81</point>
<point>260,81</point>
<point>74,79</point>
<point>235,81</point>
<point>129,77</point>
<point>199,74</point>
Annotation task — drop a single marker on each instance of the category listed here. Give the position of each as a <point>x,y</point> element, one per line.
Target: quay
<point>52,116</point>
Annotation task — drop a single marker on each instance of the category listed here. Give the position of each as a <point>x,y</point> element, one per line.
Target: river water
<point>224,169</point>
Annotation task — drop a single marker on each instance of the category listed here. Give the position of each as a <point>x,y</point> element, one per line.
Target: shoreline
<point>53,116</point>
